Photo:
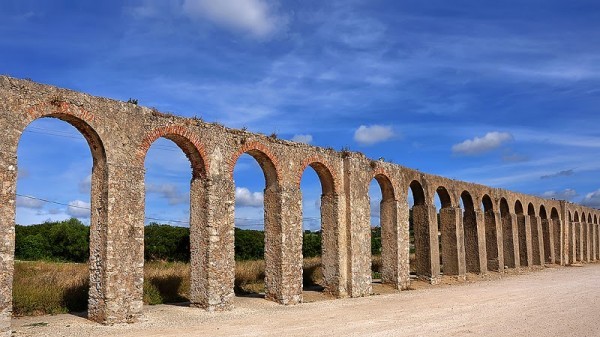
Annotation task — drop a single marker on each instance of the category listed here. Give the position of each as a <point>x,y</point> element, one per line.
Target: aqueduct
<point>482,228</point>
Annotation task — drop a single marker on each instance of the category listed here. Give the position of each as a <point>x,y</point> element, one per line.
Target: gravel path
<point>558,301</point>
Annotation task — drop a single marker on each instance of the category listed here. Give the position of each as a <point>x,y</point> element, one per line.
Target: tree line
<point>68,241</point>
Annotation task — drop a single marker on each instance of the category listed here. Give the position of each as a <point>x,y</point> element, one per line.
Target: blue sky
<point>501,93</point>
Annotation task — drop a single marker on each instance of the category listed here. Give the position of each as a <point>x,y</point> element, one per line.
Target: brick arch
<point>554,214</point>
<point>265,158</point>
<point>76,116</point>
<point>444,195</point>
<point>327,177</point>
<point>418,192</point>
<point>543,213</point>
<point>386,183</point>
<point>83,120</point>
<point>488,204</point>
<point>186,140</point>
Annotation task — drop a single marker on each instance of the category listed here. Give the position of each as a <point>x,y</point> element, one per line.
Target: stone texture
<point>119,135</point>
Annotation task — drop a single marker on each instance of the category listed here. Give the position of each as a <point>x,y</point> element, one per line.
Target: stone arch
<point>471,236</point>
<point>507,234</point>
<point>275,245</point>
<point>491,235</point>
<point>193,149</point>
<point>185,139</point>
<point>265,158</point>
<point>522,234</point>
<point>388,219</point>
<point>535,237</point>
<point>418,192</point>
<point>546,237</point>
<point>445,197</point>
<point>330,250</point>
<point>324,172</point>
<point>82,120</point>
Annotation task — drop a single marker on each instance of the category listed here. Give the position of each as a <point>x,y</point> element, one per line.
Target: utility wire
<point>152,218</point>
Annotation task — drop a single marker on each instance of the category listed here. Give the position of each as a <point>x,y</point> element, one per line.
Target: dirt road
<point>561,301</point>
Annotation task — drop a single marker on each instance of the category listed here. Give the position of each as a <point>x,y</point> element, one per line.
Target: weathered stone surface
<point>119,134</point>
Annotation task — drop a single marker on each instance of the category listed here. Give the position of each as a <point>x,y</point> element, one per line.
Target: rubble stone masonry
<point>481,228</point>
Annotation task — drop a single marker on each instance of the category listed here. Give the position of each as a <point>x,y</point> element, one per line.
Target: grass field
<point>41,288</point>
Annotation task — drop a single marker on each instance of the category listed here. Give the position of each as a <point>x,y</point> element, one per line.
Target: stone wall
<point>481,228</point>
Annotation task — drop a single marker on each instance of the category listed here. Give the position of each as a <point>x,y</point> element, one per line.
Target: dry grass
<point>50,288</point>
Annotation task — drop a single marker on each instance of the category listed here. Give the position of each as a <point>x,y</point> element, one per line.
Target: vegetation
<point>45,283</point>
<point>68,241</point>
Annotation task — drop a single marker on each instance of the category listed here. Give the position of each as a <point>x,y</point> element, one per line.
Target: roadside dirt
<point>555,301</point>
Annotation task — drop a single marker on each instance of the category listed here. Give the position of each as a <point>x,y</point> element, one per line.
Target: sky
<point>504,93</point>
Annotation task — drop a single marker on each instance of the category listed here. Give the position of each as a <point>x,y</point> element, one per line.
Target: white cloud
<point>169,192</point>
<point>486,143</point>
<point>567,194</point>
<point>307,139</point>
<point>592,199</point>
<point>79,209</point>
<point>243,197</point>
<point>369,135</point>
<point>85,186</point>
<point>255,17</point>
<point>28,202</point>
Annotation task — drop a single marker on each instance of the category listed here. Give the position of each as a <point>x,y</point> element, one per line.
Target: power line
<point>156,219</point>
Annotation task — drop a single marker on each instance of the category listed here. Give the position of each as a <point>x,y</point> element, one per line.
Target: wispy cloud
<point>478,145</point>
<point>255,17</point>
<point>85,185</point>
<point>79,209</point>
<point>29,202</point>
<point>168,191</point>
<point>592,199</point>
<point>372,134</point>
<point>566,194</point>
<point>307,139</point>
<point>564,173</point>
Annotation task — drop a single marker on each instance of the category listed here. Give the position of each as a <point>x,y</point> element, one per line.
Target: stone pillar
<point>593,241</point>
<point>472,251</point>
<point>515,241</point>
<point>358,227</point>
<point>453,246</point>
<point>579,241</point>
<point>283,244</point>
<point>212,260</point>
<point>116,244</point>
<point>481,236</point>
<point>426,242</point>
<point>8,189</point>
<point>540,240</point>
<point>333,233</point>
<point>499,241</point>
<point>535,240</point>
<point>557,241</point>
<point>508,246</point>
<point>389,242</point>
<point>393,239</point>
<point>586,241</point>
<point>597,241</point>
<point>547,239</point>
<point>524,251</point>
<point>574,248</point>
<point>528,242</point>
